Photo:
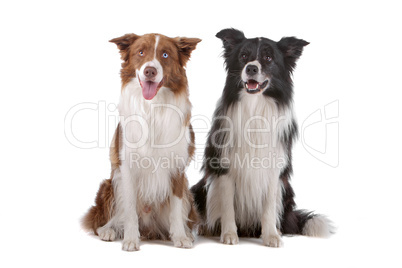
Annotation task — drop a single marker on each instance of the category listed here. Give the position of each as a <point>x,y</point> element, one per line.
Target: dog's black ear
<point>123,43</point>
<point>292,49</point>
<point>186,46</point>
<point>230,38</point>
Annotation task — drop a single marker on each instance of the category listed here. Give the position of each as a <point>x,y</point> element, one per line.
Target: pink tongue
<point>149,89</point>
<point>251,84</point>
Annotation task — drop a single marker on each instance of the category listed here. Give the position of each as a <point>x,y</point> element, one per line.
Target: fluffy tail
<point>302,222</point>
<point>99,215</point>
<point>318,226</point>
<point>200,197</point>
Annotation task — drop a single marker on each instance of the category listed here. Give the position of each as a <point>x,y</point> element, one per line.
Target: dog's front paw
<point>230,238</point>
<point>106,234</point>
<point>131,245</point>
<point>274,241</point>
<point>183,242</point>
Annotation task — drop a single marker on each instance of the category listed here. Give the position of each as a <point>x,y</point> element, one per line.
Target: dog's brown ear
<point>123,43</point>
<point>186,46</point>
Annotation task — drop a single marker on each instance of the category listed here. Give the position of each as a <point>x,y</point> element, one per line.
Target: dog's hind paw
<point>106,234</point>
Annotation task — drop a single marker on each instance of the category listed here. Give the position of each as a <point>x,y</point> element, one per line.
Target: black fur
<point>238,51</point>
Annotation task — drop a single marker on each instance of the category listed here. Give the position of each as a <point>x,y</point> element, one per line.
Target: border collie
<point>248,157</point>
<point>147,195</point>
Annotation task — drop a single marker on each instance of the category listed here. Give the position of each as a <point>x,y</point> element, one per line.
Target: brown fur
<point>181,190</point>
<point>179,50</point>
<point>191,146</point>
<point>100,214</point>
<point>179,185</point>
<point>123,43</point>
<point>115,148</point>
<point>193,216</point>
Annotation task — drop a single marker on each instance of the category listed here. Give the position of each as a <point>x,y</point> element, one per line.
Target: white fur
<point>177,228</point>
<point>220,202</point>
<point>260,77</point>
<point>257,125</point>
<point>163,119</point>
<point>154,63</point>
<point>157,37</point>
<point>153,130</point>
<point>318,226</point>
<point>106,234</point>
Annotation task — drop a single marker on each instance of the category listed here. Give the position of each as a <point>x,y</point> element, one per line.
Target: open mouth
<point>149,88</point>
<point>253,86</point>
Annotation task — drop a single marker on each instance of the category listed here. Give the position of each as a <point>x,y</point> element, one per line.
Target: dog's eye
<point>141,53</point>
<point>243,56</point>
<point>165,55</point>
<point>267,58</point>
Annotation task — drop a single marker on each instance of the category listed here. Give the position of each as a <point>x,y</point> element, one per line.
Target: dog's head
<point>260,65</point>
<point>155,60</point>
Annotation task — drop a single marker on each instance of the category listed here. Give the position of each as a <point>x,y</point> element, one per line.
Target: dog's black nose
<point>251,70</point>
<point>150,72</point>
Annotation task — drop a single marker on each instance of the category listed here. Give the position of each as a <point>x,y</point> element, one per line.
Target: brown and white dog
<point>147,194</point>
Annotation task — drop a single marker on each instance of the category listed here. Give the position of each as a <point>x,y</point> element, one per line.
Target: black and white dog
<point>246,189</point>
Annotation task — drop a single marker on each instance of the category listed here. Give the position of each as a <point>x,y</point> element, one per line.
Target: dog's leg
<point>226,192</point>
<point>177,223</point>
<point>269,232</point>
<point>131,241</point>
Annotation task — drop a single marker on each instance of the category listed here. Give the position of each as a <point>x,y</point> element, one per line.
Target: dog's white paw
<point>183,242</point>
<point>274,241</point>
<point>106,234</point>
<point>230,238</point>
<point>131,245</point>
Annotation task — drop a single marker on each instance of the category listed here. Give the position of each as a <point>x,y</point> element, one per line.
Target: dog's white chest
<point>257,154</point>
<point>155,140</point>
<point>258,126</point>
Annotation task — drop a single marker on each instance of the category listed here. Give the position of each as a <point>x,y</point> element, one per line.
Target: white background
<point>56,55</point>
